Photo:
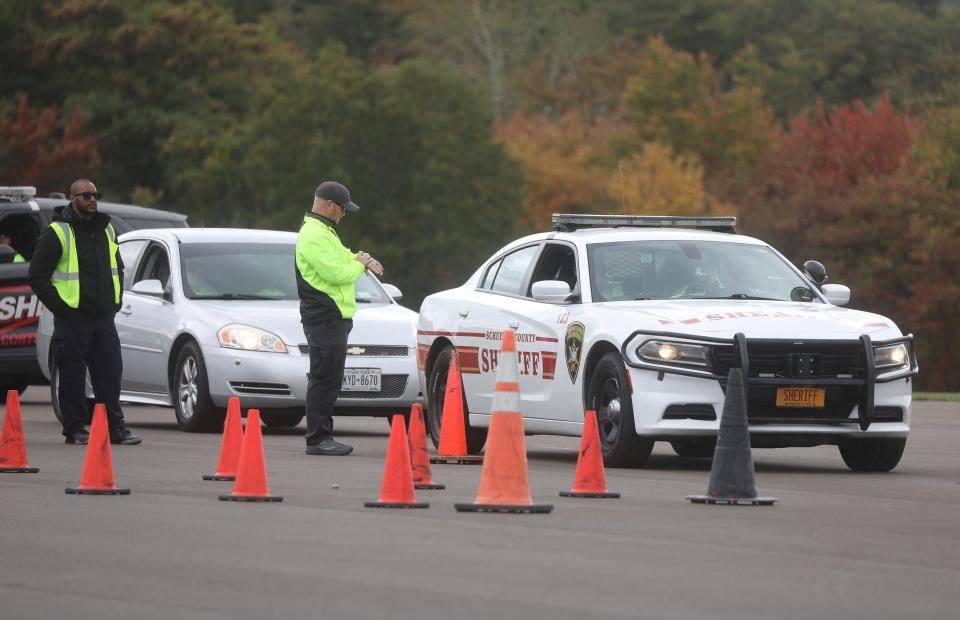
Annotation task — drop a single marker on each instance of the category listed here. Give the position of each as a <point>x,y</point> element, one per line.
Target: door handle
<point>513,324</point>
<point>126,310</point>
<point>464,312</point>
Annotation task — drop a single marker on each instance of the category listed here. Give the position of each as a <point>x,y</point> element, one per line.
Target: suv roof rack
<point>569,222</point>
<point>17,194</point>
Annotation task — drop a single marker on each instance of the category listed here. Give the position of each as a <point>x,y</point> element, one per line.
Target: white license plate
<point>361,380</point>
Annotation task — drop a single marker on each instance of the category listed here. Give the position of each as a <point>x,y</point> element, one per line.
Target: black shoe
<point>80,438</point>
<point>329,447</point>
<point>124,437</point>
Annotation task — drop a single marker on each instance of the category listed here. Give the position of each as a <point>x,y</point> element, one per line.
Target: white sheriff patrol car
<point>641,318</point>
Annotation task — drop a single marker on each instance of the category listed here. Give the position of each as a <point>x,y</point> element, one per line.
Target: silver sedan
<point>212,313</point>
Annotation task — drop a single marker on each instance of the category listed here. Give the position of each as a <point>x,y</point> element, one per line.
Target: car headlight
<point>890,356</point>
<point>663,352</point>
<point>250,339</point>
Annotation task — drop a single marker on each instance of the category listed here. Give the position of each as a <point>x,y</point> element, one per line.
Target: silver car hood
<point>373,324</point>
<point>755,319</point>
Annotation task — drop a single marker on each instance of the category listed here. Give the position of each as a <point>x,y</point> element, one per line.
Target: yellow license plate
<point>800,397</point>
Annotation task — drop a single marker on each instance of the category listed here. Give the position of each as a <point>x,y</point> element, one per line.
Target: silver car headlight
<point>249,338</point>
<point>891,356</point>
<point>666,352</point>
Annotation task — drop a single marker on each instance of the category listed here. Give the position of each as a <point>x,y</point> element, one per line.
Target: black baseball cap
<point>338,193</point>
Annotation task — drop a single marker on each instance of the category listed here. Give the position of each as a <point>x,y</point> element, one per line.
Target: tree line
<point>831,128</point>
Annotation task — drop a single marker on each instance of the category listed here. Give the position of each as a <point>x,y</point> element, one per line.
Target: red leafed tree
<point>846,188</point>
<point>838,150</point>
<point>807,180</point>
<point>39,150</point>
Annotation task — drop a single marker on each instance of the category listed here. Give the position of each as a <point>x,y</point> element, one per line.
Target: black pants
<point>81,342</point>
<point>328,354</point>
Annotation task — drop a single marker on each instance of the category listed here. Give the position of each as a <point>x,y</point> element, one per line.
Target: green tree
<point>138,71</point>
<point>676,99</point>
<point>413,142</point>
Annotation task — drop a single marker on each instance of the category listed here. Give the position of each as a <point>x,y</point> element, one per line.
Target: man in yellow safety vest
<point>77,273</point>
<point>326,272</point>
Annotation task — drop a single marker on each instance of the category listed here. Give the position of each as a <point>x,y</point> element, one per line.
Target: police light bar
<point>17,193</point>
<point>568,222</point>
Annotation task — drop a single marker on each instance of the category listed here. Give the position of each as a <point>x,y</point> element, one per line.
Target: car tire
<point>19,387</point>
<point>281,420</point>
<point>191,393</point>
<point>872,454</point>
<point>695,447</point>
<point>55,397</point>
<point>609,395</point>
<point>437,386</point>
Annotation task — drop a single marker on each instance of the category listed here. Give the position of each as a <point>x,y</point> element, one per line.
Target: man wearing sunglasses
<point>77,273</point>
<point>326,273</point>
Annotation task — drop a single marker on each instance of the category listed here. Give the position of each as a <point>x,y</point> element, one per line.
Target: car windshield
<point>640,270</point>
<point>251,271</point>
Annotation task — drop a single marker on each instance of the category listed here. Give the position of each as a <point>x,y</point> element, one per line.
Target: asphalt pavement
<point>837,545</point>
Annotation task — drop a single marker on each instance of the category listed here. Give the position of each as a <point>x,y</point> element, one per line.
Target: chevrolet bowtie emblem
<point>356,351</point>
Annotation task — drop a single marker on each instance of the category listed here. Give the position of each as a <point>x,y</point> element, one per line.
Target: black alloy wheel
<point>609,395</point>
<point>436,391</point>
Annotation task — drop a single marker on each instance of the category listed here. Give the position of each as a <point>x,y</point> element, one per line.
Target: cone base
<point>250,498</point>
<point>532,508</point>
<point>219,477</point>
<point>19,470</point>
<point>589,494</point>
<point>396,504</point>
<point>97,491</point>
<point>732,501</point>
<point>428,485</point>
<point>467,459</point>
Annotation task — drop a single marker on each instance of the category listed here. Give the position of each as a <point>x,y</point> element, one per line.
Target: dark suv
<point>23,217</point>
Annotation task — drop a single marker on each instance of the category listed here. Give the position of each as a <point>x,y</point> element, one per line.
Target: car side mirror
<point>815,272</point>
<point>837,294</point>
<point>551,290</point>
<point>151,288</point>
<point>392,291</point>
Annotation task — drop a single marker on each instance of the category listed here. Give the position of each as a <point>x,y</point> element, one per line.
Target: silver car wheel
<point>187,387</point>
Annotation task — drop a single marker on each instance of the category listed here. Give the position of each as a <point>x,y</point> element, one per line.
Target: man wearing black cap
<point>326,273</point>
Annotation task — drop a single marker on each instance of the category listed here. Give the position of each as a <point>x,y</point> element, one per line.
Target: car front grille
<point>391,386</point>
<point>836,367</point>
<point>367,350</point>
<point>260,388</point>
<point>781,359</point>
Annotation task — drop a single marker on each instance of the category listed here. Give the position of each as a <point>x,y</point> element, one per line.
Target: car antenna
<point>623,195</point>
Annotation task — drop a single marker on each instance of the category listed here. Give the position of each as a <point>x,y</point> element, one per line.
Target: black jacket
<point>96,282</point>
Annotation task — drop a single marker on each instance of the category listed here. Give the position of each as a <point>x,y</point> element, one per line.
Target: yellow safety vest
<point>18,258</point>
<point>326,265</point>
<point>66,276</point>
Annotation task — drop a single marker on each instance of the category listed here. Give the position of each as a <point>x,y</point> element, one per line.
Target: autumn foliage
<point>848,188</point>
<point>41,150</point>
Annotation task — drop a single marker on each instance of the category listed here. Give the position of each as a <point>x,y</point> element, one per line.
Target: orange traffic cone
<point>97,477</point>
<point>13,450</point>
<point>251,483</point>
<point>590,480</point>
<point>397,488</point>
<point>453,435</point>
<point>231,443</point>
<point>503,484</point>
<point>419,458</point>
